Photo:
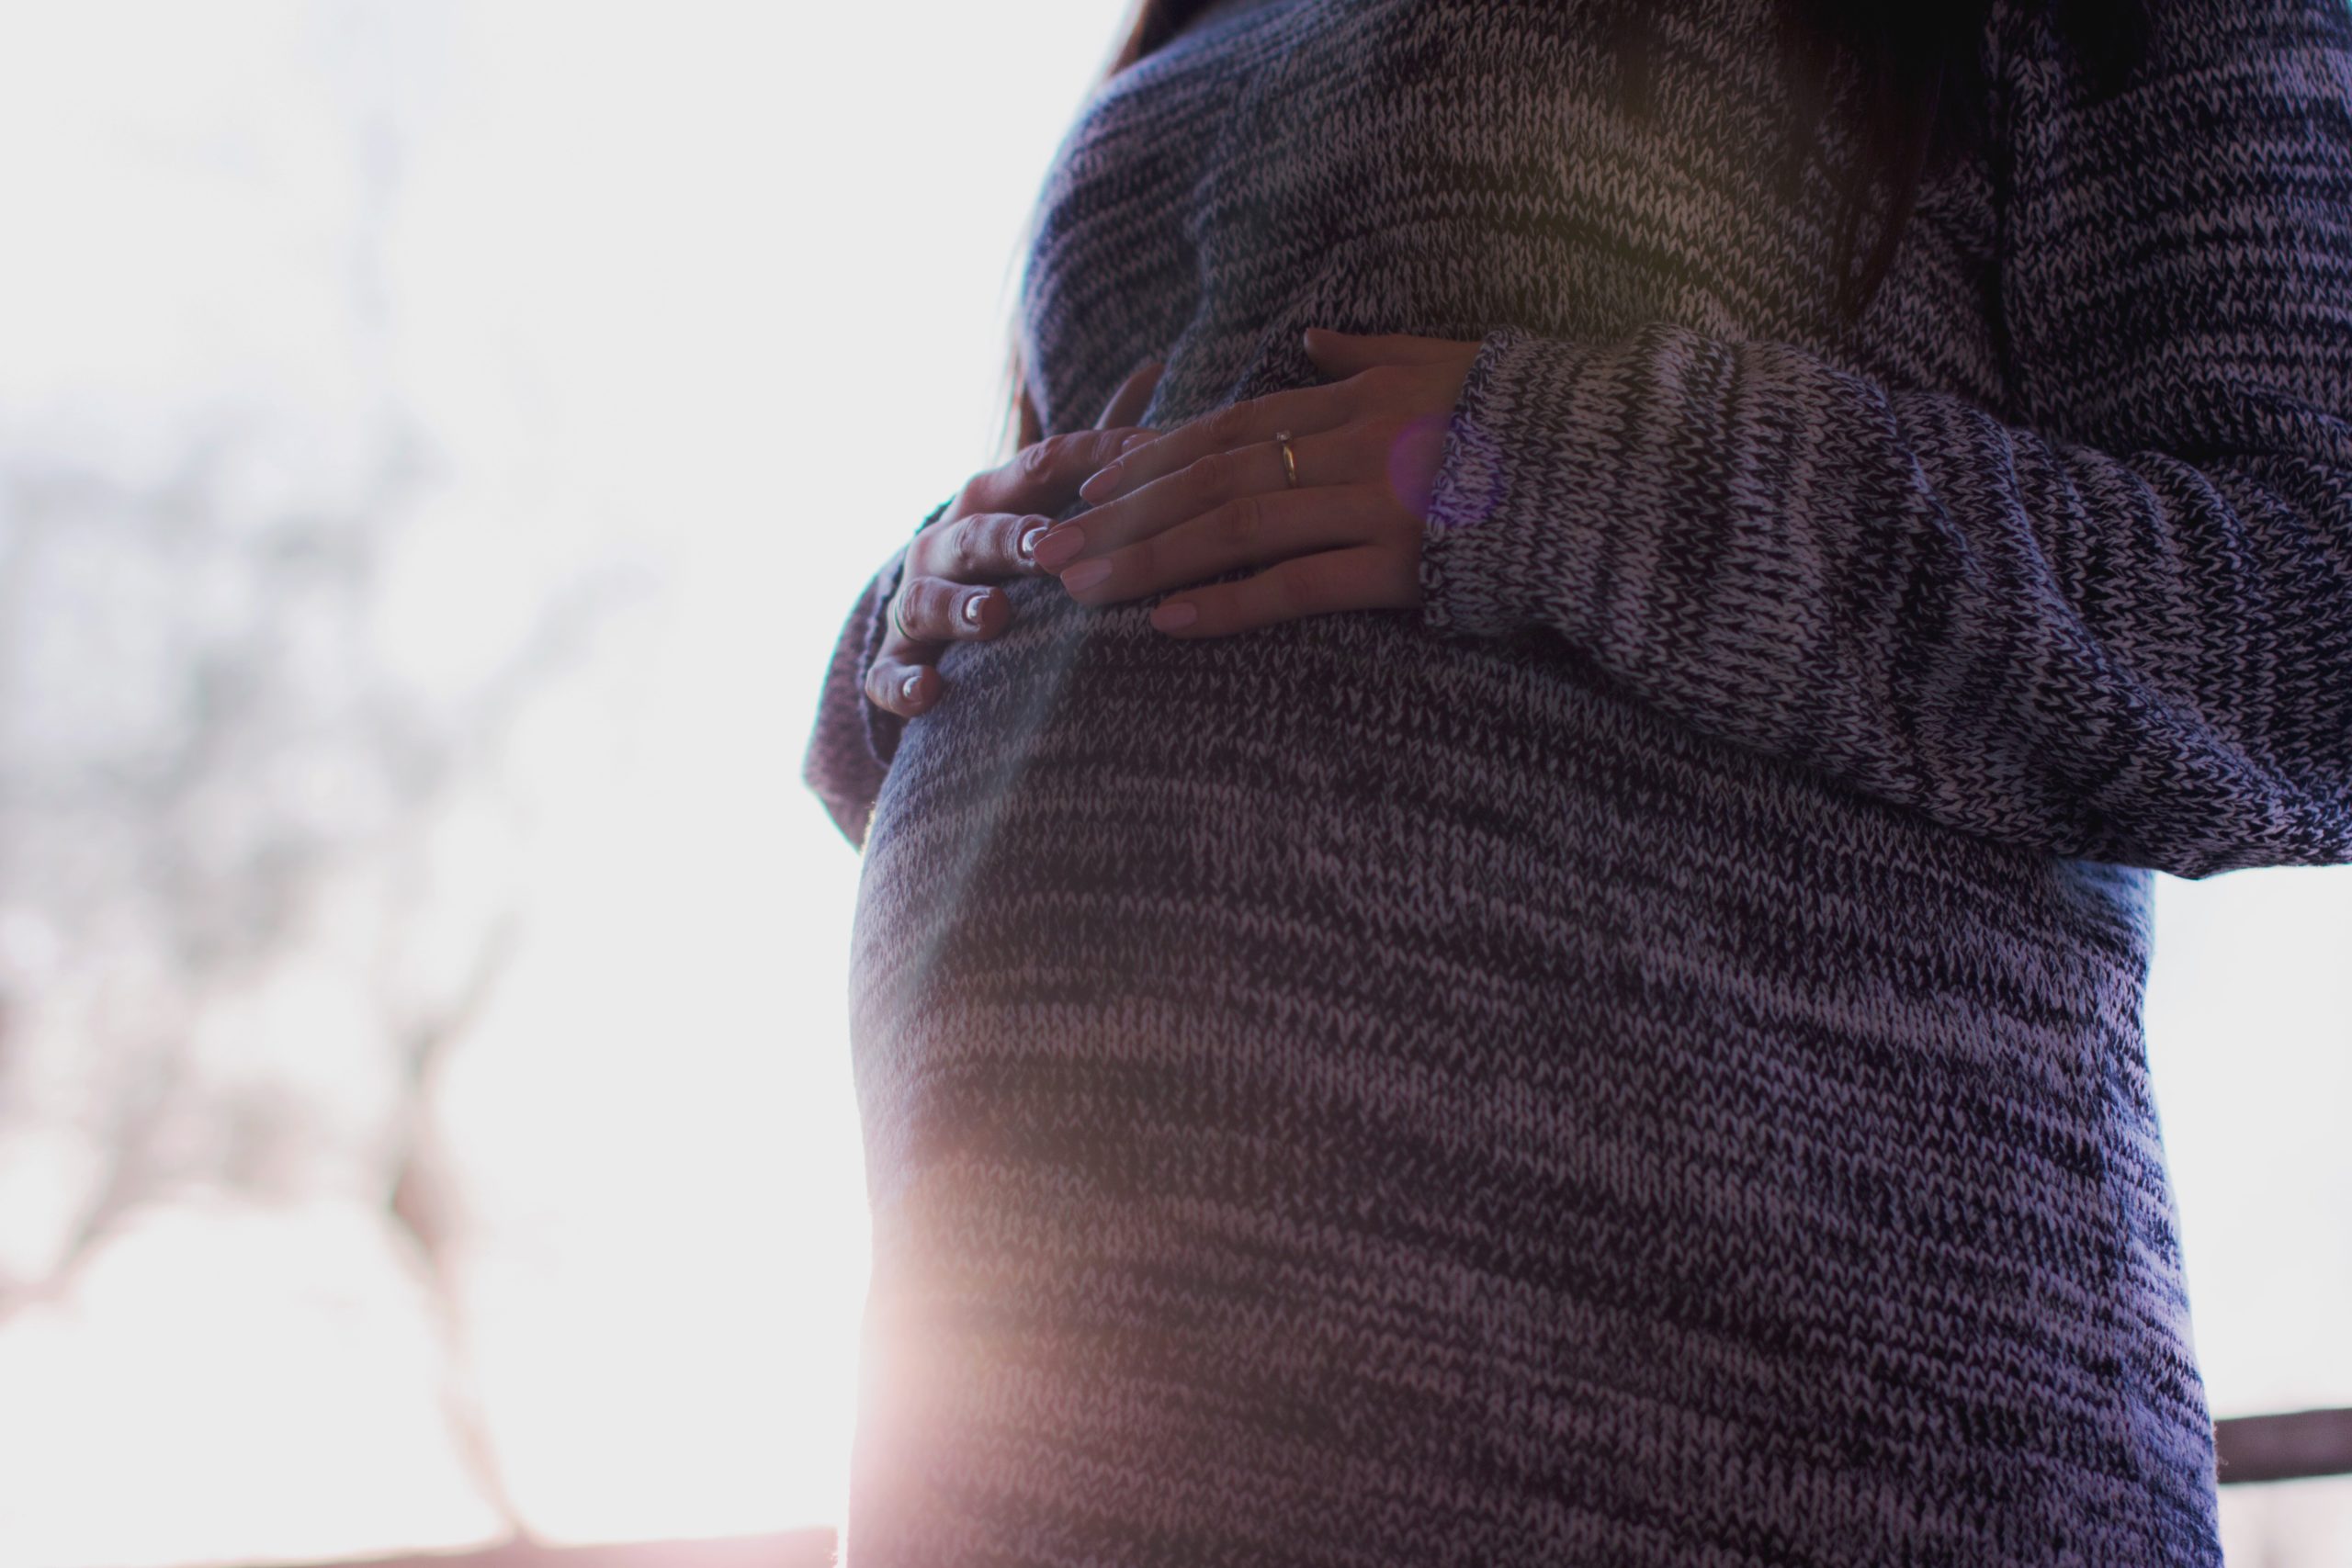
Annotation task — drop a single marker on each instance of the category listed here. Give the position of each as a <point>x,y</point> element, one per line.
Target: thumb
<point>1346,354</point>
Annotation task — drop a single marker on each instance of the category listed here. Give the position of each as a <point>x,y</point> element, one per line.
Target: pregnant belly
<point>1336,812</point>
<point>1264,864</point>
<point>1333,1055</point>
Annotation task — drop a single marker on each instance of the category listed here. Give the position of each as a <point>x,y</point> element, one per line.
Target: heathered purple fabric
<point>1637,1061</point>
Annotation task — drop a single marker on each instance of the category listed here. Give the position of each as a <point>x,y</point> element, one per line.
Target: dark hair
<point>1912,67</point>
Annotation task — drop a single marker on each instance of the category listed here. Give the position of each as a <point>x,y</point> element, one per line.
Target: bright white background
<point>658,326</point>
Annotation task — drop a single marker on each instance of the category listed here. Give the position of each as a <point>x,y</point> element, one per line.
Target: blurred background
<point>438,445</point>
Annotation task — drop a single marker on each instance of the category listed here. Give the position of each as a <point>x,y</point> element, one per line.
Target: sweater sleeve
<point>851,747</point>
<point>2119,629</point>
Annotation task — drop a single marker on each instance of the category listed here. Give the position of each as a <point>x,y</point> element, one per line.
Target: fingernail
<point>972,608</point>
<point>907,689</point>
<point>1174,618</point>
<point>1059,547</point>
<point>1028,545</point>
<point>1105,481</point>
<point>1132,442</point>
<point>1085,575</point>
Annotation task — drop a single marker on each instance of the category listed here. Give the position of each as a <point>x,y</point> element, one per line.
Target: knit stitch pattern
<point>1637,1060</point>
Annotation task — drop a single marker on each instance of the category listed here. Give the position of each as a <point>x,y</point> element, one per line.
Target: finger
<point>1303,411</point>
<point>937,610</point>
<point>904,687</point>
<point>1363,578</point>
<point>983,547</point>
<point>1249,530</point>
<point>1133,396</point>
<point>1045,475</point>
<point>1333,457</point>
<point>1351,353</point>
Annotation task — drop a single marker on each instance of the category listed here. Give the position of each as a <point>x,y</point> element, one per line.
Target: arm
<point>2121,630</point>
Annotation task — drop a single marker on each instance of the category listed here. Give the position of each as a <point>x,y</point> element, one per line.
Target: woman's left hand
<point>1213,495</point>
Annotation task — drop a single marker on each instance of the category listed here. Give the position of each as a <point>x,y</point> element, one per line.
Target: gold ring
<point>1290,458</point>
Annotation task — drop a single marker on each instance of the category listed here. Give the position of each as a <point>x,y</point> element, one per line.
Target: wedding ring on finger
<point>1290,458</point>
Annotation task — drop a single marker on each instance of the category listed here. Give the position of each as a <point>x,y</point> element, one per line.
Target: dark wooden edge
<point>2298,1447</point>
<point>2301,1446</point>
<point>794,1548</point>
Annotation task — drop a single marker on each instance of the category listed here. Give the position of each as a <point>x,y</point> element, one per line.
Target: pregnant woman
<point>1520,940</point>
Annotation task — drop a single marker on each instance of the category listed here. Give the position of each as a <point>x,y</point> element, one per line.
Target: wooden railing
<point>2302,1446</point>
<point>795,1549</point>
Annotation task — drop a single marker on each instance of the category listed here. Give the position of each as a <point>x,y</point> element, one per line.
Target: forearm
<point>2135,659</point>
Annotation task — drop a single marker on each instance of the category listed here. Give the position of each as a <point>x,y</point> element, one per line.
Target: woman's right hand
<point>945,592</point>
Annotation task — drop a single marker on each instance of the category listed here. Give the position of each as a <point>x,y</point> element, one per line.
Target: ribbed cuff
<point>1507,542</point>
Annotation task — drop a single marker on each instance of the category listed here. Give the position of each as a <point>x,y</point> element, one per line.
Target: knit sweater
<point>1636,1060</point>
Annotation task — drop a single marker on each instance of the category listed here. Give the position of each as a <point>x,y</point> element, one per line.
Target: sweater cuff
<point>1510,539</point>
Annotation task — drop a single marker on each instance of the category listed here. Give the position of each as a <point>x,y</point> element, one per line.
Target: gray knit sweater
<point>1637,1061</point>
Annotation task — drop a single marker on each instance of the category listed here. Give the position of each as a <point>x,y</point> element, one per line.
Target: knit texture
<point>1637,1061</point>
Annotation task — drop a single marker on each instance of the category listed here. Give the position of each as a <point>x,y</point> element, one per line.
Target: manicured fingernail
<point>972,608</point>
<point>1059,547</point>
<point>1105,481</point>
<point>1085,575</point>
<point>1174,618</point>
<point>908,688</point>
<point>1029,537</point>
<point>1132,442</point>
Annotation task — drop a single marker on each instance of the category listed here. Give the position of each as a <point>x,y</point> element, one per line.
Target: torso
<point>1335,1096</point>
